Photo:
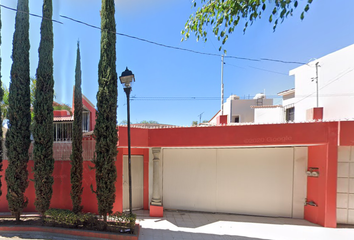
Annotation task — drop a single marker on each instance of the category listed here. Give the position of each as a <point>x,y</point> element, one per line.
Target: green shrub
<point>63,216</point>
<point>123,221</point>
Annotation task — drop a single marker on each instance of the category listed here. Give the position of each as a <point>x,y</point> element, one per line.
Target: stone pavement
<point>208,226</point>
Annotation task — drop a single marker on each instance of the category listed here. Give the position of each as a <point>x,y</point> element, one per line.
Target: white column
<point>156,194</point>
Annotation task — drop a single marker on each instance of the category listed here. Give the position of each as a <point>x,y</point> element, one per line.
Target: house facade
<point>238,110</point>
<point>296,170</point>
<point>334,81</point>
<point>300,166</point>
<point>64,118</point>
<point>324,86</point>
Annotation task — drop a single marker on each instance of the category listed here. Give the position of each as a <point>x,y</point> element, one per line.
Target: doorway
<point>137,168</point>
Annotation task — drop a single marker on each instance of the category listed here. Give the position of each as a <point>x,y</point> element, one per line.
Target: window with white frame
<point>85,121</point>
<point>62,131</point>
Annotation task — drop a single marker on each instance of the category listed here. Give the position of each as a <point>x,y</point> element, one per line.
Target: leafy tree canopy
<point>225,15</point>
<point>149,122</point>
<point>5,101</point>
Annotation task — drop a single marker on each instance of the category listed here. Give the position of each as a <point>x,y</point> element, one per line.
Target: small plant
<point>124,220</point>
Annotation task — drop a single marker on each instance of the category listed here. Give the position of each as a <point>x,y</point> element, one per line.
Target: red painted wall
<point>139,136</point>
<point>61,189</point>
<point>61,113</point>
<point>318,113</point>
<point>322,136</point>
<point>244,135</point>
<point>346,133</point>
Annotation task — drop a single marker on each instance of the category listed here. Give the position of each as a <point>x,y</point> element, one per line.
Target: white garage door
<point>255,181</point>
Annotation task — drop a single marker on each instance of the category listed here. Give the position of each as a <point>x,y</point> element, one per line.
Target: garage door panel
<point>189,180</point>
<point>255,181</point>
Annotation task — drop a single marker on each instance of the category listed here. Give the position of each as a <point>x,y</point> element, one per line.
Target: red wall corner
<point>318,113</point>
<point>323,189</point>
<point>222,119</point>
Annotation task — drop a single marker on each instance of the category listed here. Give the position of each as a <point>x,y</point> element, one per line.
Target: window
<point>85,121</point>
<point>237,119</point>
<point>62,131</point>
<point>290,114</point>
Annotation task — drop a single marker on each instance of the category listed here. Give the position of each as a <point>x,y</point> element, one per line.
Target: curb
<point>75,232</point>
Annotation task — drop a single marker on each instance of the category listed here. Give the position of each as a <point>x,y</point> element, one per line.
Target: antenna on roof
<point>200,117</point>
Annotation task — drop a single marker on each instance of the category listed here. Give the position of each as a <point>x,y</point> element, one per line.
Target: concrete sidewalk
<point>188,225</point>
<point>208,226</point>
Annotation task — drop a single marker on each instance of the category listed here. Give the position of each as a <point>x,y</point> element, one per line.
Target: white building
<point>241,110</point>
<point>324,89</point>
<point>335,86</point>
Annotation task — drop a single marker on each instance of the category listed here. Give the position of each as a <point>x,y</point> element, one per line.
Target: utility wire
<point>281,61</point>
<point>339,76</point>
<point>241,98</point>
<point>261,69</point>
<point>31,14</point>
<point>156,43</point>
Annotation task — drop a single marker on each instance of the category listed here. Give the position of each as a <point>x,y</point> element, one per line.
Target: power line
<point>282,61</point>
<point>156,43</point>
<point>31,14</point>
<point>261,69</point>
<point>339,76</point>
<point>241,98</point>
<point>159,44</point>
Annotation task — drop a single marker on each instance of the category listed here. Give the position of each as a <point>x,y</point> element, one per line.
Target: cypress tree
<point>43,115</point>
<point>18,134</point>
<point>1,96</point>
<point>105,129</point>
<point>76,155</point>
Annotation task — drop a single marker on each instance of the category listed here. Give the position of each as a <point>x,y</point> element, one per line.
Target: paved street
<point>198,226</point>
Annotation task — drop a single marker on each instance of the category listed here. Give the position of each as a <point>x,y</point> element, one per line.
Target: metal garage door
<point>255,181</point>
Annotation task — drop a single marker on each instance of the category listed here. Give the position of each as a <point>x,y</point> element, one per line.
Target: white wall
<point>289,99</point>
<point>243,109</point>
<point>336,86</point>
<point>269,115</point>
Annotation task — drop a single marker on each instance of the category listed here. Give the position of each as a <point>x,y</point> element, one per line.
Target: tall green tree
<point>105,129</point>
<point>1,97</point>
<point>76,155</point>
<point>225,15</point>
<point>18,134</point>
<point>43,115</point>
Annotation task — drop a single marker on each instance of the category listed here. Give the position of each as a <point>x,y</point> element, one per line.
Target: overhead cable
<point>159,44</point>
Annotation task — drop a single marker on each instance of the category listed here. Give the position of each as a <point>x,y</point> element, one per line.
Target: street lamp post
<point>126,79</point>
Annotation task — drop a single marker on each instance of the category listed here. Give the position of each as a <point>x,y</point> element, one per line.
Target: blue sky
<point>166,73</point>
